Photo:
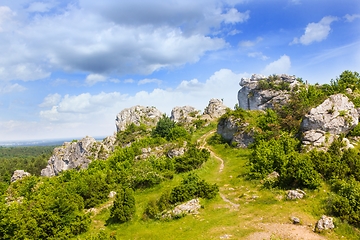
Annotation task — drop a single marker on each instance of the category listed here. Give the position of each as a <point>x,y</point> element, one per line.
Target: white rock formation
<point>19,174</point>
<point>324,223</point>
<point>185,114</point>
<point>252,97</point>
<point>137,114</point>
<point>215,109</point>
<point>295,194</point>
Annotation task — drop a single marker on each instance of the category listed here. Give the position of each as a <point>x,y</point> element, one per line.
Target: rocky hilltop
<point>257,92</point>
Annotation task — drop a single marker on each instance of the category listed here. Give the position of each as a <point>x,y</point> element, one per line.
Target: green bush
<point>123,208</point>
<point>192,159</point>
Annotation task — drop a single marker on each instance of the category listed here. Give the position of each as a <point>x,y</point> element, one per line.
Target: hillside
<point>240,165</point>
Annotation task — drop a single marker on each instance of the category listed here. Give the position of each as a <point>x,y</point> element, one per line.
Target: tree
<point>124,206</point>
<point>163,127</point>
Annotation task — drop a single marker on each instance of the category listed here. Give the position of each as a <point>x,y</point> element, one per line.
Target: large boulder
<point>184,115</point>
<point>324,223</point>
<point>137,114</point>
<point>19,174</point>
<point>215,109</point>
<point>75,154</point>
<point>336,115</point>
<point>254,95</point>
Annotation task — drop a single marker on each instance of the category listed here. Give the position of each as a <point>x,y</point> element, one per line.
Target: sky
<point>68,67</point>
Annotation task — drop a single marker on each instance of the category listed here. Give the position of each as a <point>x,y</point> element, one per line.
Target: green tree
<point>163,127</point>
<point>124,206</point>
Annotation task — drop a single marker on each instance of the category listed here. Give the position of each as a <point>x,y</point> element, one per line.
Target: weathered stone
<point>190,207</point>
<point>252,97</point>
<point>235,132</point>
<point>137,114</point>
<point>112,194</point>
<point>176,152</point>
<point>295,194</point>
<point>295,220</point>
<point>215,109</point>
<point>19,174</point>
<point>185,114</point>
<point>324,223</point>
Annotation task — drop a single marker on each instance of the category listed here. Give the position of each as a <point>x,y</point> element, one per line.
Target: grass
<point>258,207</point>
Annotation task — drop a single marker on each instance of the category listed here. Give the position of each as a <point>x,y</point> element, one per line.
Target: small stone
<point>295,220</point>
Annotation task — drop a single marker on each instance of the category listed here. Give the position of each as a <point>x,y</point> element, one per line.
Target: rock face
<point>76,154</point>
<point>235,132</point>
<point>324,223</point>
<point>336,115</point>
<point>19,174</point>
<point>185,114</point>
<point>215,109</point>
<point>137,114</point>
<point>255,96</point>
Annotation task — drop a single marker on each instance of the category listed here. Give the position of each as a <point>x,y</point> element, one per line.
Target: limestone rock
<point>336,115</point>
<point>137,114</point>
<point>324,223</point>
<point>295,220</point>
<point>215,109</point>
<point>19,174</point>
<point>295,194</point>
<point>185,114</point>
<point>235,132</point>
<point>176,152</point>
<point>253,96</point>
<point>76,154</point>
<point>190,207</point>
<point>112,194</point>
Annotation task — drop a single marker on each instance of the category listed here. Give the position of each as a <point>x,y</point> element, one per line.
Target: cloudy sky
<point>68,67</point>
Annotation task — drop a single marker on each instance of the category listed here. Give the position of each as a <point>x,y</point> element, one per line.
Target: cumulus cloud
<point>10,88</point>
<point>249,43</point>
<point>51,100</point>
<point>282,65</point>
<point>315,32</point>
<point>111,37</point>
<point>92,79</point>
<point>350,18</point>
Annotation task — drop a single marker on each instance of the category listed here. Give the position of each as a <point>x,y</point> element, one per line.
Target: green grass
<point>257,206</point>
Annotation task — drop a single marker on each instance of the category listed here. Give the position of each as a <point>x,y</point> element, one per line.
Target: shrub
<point>124,206</point>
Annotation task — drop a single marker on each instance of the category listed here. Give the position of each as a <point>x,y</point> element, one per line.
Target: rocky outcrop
<point>137,114</point>
<point>176,152</point>
<point>258,92</point>
<point>184,115</point>
<point>235,132</point>
<point>215,109</point>
<point>295,194</point>
<point>324,223</point>
<point>76,154</point>
<point>335,116</point>
<point>190,207</point>
<point>19,174</point>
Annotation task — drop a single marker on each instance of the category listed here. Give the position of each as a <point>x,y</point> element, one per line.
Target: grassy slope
<point>257,208</point>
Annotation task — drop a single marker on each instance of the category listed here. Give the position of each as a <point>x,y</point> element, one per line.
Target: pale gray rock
<point>215,109</point>
<point>295,220</point>
<point>112,194</point>
<point>185,114</point>
<point>324,223</point>
<point>19,174</point>
<point>295,194</point>
<point>76,154</point>
<point>137,114</point>
<point>252,97</point>
<point>235,132</point>
<point>189,207</point>
<point>176,152</point>
<point>335,115</point>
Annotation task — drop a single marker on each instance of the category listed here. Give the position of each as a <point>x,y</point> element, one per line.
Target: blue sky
<point>68,67</point>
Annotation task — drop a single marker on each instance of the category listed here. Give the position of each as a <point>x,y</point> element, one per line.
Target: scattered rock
<point>176,152</point>
<point>295,194</point>
<point>19,174</point>
<point>190,207</point>
<point>324,223</point>
<point>112,194</point>
<point>295,220</point>
<point>137,114</point>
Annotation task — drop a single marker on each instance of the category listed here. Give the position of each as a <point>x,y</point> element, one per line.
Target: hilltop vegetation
<point>149,181</point>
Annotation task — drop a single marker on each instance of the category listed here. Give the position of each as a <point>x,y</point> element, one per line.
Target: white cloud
<point>41,6</point>
<point>147,80</point>
<point>234,16</point>
<point>350,18</point>
<point>92,79</point>
<point>282,65</point>
<point>259,55</point>
<point>316,32</point>
<point>5,15</point>
<point>9,88</point>
<point>250,43</point>
<point>234,32</point>
<point>51,100</point>
<point>129,80</point>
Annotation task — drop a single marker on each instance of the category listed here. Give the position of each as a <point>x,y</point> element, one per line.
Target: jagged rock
<point>295,194</point>
<point>336,115</point>
<point>324,223</point>
<point>176,152</point>
<point>76,154</point>
<point>190,207</point>
<point>185,114</point>
<point>137,114</point>
<point>112,194</point>
<point>235,132</point>
<point>215,109</point>
<point>253,97</point>
<point>19,174</point>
